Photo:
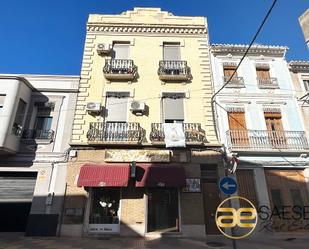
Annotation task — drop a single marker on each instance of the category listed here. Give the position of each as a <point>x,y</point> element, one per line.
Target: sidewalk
<point>18,241</point>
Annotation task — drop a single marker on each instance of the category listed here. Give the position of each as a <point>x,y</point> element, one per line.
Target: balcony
<point>235,82</point>
<point>174,71</point>
<point>264,140</point>
<point>119,69</point>
<point>114,132</point>
<point>45,136</point>
<point>266,83</point>
<point>193,133</point>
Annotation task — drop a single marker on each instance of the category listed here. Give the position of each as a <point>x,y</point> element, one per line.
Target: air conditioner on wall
<point>137,107</point>
<point>93,107</point>
<point>103,48</point>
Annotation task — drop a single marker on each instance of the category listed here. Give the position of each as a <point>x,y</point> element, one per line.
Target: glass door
<point>163,215</point>
<point>104,212</point>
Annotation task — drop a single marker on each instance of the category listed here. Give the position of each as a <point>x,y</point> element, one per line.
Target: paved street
<point>18,241</point>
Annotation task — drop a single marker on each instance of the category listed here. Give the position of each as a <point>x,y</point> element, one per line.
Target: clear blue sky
<point>47,36</point>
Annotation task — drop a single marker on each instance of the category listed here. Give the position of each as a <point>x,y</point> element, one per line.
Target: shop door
<point>163,214</point>
<point>104,214</point>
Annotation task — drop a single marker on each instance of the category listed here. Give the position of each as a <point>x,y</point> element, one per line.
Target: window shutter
<point>2,97</point>
<point>121,51</point>
<point>237,121</point>
<point>173,108</point>
<point>228,71</point>
<point>116,109</point>
<point>171,52</point>
<point>262,73</point>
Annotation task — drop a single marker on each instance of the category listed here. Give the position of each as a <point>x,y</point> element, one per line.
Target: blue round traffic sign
<point>228,185</point>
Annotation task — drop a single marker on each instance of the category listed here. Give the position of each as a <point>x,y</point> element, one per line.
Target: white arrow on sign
<point>228,186</point>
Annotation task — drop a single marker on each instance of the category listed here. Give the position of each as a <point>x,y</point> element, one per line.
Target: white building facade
<point>36,113</point>
<point>259,121</point>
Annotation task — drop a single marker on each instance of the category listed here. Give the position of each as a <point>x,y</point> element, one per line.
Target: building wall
<point>47,157</point>
<point>146,50</point>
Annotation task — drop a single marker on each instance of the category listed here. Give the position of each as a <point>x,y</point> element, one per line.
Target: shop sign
<point>137,155</point>
<point>193,185</point>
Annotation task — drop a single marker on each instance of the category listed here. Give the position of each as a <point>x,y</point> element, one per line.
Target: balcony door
<point>43,127</point>
<point>121,51</point>
<point>238,129</point>
<point>171,52</point>
<point>116,116</point>
<point>275,129</point>
<point>173,107</point>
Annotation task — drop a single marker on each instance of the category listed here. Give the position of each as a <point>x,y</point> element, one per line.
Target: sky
<point>47,36</point>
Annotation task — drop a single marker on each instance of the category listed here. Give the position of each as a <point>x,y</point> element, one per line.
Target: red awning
<point>106,175</point>
<point>152,175</point>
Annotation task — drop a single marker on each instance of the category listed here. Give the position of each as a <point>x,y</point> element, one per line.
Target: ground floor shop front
<point>280,195</point>
<point>147,199</point>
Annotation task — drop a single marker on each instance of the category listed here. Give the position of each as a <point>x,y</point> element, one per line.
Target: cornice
<point>150,29</point>
<point>254,50</point>
<point>297,66</point>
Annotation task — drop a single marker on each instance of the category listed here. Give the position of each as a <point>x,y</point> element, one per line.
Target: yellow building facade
<point>144,157</point>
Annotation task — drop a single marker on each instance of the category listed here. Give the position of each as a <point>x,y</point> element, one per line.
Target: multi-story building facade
<point>144,153</point>
<point>260,123</point>
<point>304,23</point>
<point>36,113</point>
<point>300,76</point>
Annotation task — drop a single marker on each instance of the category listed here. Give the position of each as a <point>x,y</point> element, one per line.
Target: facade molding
<point>277,51</point>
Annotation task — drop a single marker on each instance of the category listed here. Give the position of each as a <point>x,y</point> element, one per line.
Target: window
<point>117,106</point>
<point>306,85</point>
<point>43,123</point>
<point>2,97</point>
<point>173,107</point>
<point>19,117</point>
<point>273,121</point>
<point>121,50</point>
<point>171,52</point>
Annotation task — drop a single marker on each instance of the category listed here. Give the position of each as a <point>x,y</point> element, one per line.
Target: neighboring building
<point>261,124</point>
<point>304,23</point>
<point>300,76</point>
<point>36,113</point>
<point>135,80</point>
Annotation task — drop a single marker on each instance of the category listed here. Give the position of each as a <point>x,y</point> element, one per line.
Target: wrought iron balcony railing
<point>38,134</point>
<point>267,83</point>
<point>115,132</point>
<point>264,140</point>
<point>193,133</point>
<point>119,69</point>
<point>235,82</point>
<point>174,70</point>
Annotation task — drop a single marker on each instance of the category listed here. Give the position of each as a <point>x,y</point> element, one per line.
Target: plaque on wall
<point>137,155</point>
<point>193,185</point>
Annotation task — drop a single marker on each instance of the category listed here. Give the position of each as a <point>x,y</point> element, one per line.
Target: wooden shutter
<point>237,121</point>
<point>228,71</point>
<point>238,129</point>
<point>262,73</point>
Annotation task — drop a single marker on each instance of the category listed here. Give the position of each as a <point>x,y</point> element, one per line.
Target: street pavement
<point>18,241</point>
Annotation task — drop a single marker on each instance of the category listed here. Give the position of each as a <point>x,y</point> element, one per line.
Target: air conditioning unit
<point>93,107</point>
<point>104,48</point>
<point>137,107</point>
